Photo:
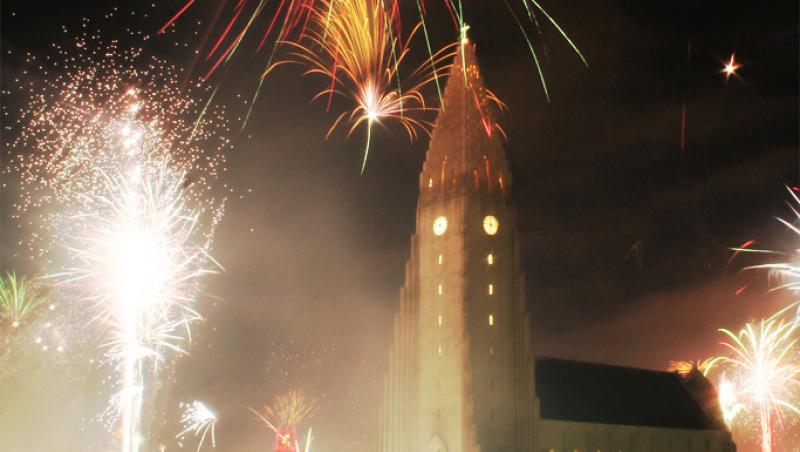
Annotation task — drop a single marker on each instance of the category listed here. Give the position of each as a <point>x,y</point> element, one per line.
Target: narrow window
<point>441,320</point>
<point>490,259</point>
<point>442,174</point>
<point>440,289</point>
<point>491,289</point>
<point>488,168</point>
<point>441,259</point>
<point>491,320</point>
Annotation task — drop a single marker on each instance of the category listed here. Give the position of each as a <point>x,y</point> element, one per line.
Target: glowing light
<point>441,259</point>
<point>762,370</point>
<point>730,67</point>
<point>464,38</point>
<point>490,259</point>
<point>301,21</point>
<point>20,302</point>
<point>491,224</point>
<point>198,419</point>
<point>728,400</point>
<point>491,289</point>
<point>439,225</point>
<point>283,417</point>
<point>786,270</point>
<point>352,44</point>
<point>136,226</point>
<point>441,320</point>
<point>439,289</point>
<point>491,320</point>
<point>686,367</point>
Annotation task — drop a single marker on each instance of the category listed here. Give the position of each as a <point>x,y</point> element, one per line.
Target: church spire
<point>467,146</point>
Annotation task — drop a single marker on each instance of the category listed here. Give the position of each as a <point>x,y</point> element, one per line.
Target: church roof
<point>605,394</point>
<point>466,134</point>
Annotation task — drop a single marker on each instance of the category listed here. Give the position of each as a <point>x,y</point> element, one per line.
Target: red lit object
<point>285,439</point>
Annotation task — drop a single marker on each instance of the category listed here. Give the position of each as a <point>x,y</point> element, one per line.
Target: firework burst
<point>118,178</point>
<point>199,419</point>
<point>291,408</point>
<point>289,22</point>
<point>763,369</point>
<point>686,367</point>
<point>20,302</point>
<point>786,272</point>
<point>283,418</point>
<point>350,44</point>
<point>728,399</point>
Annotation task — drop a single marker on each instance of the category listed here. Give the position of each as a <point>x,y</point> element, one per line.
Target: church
<point>461,374</point>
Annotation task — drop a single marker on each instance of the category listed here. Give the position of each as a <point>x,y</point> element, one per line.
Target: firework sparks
<point>378,32</point>
<point>291,408</point>
<point>283,417</point>
<point>730,67</point>
<point>686,367</point>
<point>765,377</point>
<point>19,302</point>
<point>728,400</point>
<point>787,271</point>
<point>118,178</point>
<point>199,419</point>
<point>361,59</point>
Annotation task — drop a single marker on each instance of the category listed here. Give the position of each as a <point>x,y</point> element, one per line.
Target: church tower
<point>460,371</point>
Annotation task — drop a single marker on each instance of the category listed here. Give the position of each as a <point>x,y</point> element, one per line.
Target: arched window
<point>436,445</point>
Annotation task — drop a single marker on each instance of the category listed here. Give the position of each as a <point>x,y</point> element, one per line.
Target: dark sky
<point>314,255</point>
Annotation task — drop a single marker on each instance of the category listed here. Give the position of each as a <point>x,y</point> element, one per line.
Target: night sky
<point>625,235</point>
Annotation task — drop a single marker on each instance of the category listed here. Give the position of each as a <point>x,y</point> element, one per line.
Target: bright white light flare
<point>200,420</point>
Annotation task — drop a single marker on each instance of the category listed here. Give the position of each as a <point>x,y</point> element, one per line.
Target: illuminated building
<point>461,375</point>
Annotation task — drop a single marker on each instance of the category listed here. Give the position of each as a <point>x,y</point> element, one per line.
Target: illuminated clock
<point>490,224</point>
<point>439,225</point>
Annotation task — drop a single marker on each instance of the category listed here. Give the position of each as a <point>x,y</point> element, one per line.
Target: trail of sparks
<point>787,271</point>
<point>349,43</point>
<point>118,178</point>
<point>283,418</point>
<point>198,419</point>
<point>686,367</point>
<point>297,16</point>
<point>763,368</point>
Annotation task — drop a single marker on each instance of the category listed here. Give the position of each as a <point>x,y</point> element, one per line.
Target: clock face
<point>490,224</point>
<point>439,225</point>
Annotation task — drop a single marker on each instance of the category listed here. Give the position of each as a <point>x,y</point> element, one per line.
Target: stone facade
<point>461,376</point>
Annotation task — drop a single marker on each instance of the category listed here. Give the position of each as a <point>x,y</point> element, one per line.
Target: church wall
<point>443,347</point>
<point>492,321</point>
<point>565,436</point>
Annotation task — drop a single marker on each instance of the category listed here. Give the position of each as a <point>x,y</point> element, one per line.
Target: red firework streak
<point>286,439</point>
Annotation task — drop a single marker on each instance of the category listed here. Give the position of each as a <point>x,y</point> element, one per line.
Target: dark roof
<point>604,394</point>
